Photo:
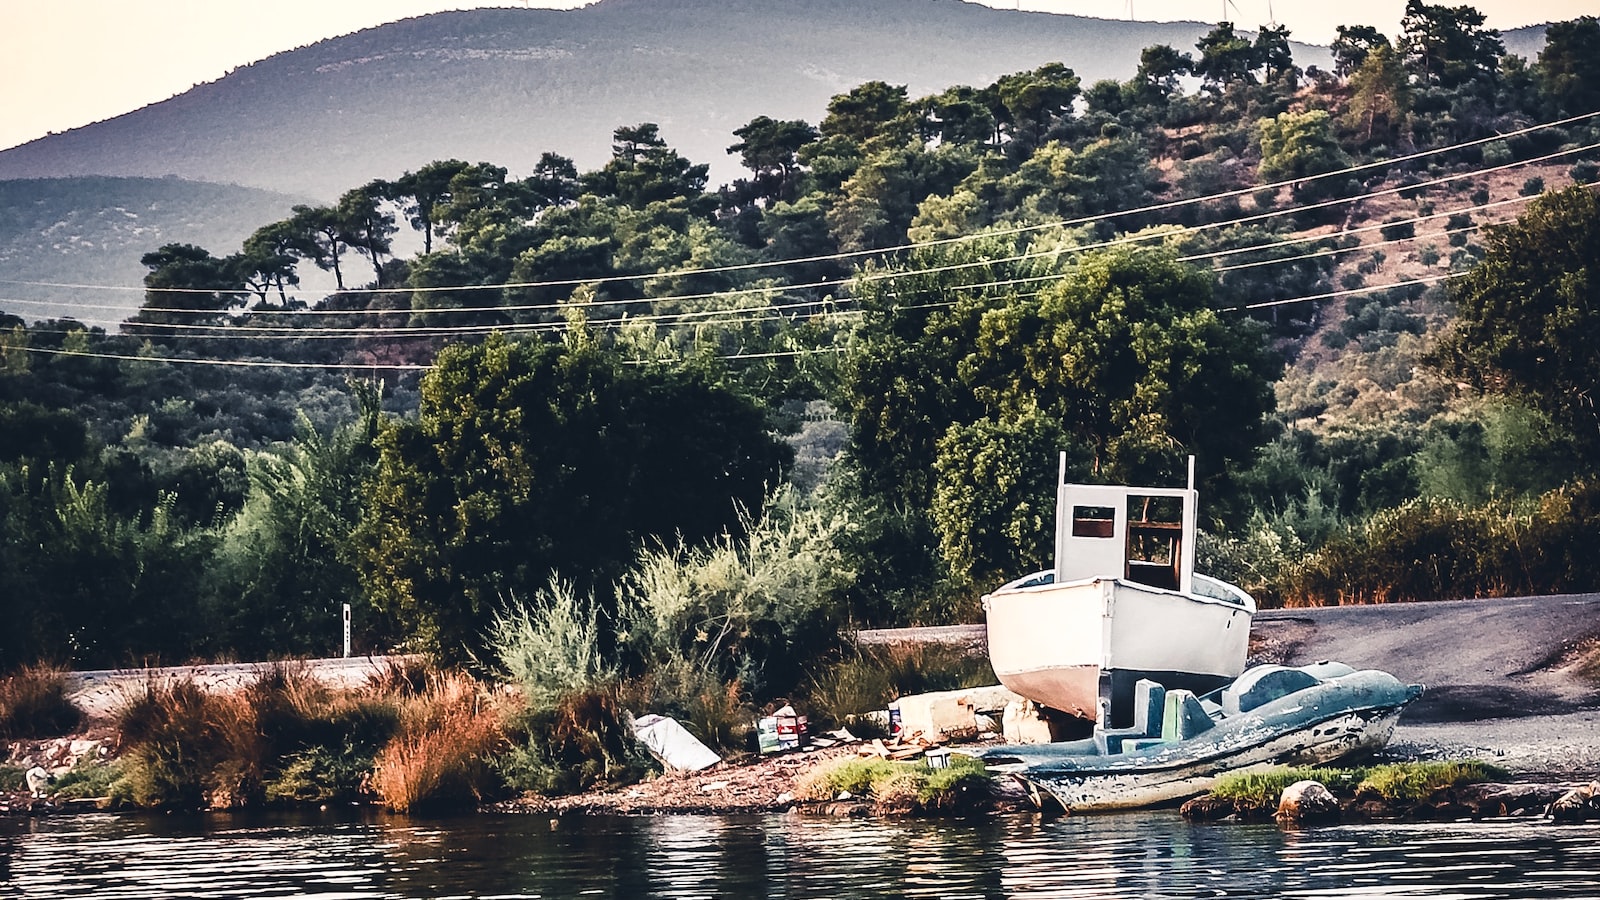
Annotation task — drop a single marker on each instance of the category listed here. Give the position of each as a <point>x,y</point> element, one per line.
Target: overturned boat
<point>1180,744</point>
<point>1122,604</point>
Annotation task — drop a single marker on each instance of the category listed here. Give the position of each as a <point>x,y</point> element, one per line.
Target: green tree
<point>1036,101</point>
<point>188,279</point>
<point>1299,145</point>
<point>267,260</point>
<point>769,149</point>
<point>283,565</point>
<point>1447,46</point>
<point>530,458</point>
<point>1122,352</point>
<point>366,225</point>
<point>1380,96</point>
<point>1528,313</point>
<point>1569,68</point>
<point>1226,58</point>
<point>644,170</point>
<point>421,192</point>
<point>1272,53</point>
<point>867,111</point>
<point>1353,45</point>
<point>1160,67</point>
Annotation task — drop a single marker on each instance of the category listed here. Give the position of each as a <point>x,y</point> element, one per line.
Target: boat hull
<point>1066,645</point>
<point>1344,717</point>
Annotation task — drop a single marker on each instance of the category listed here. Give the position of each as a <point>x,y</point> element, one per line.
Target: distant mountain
<point>504,85</point>
<point>75,231</point>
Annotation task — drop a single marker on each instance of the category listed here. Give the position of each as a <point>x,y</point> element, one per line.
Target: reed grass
<point>34,704</point>
<point>441,756</point>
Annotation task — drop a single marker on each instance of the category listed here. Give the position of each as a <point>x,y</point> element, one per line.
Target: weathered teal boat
<point>1180,744</point>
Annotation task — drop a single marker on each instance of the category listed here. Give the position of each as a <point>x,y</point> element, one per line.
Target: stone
<point>1577,805</point>
<point>1306,803</point>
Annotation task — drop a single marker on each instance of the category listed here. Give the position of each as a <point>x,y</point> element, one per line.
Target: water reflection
<point>683,857</point>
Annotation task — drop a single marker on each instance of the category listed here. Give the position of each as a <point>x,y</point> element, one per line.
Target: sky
<point>66,63</point>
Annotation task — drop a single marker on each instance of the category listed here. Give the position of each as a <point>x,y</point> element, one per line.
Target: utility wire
<point>888,274</point>
<point>884,251</point>
<point>744,316</point>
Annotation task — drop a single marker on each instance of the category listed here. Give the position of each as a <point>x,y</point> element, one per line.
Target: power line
<point>889,274</point>
<point>885,251</point>
<point>749,315</point>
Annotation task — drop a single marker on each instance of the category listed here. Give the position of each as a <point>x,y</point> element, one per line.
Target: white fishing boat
<point>1122,604</point>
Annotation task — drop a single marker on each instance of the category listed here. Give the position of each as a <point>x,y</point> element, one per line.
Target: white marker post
<point>347,631</point>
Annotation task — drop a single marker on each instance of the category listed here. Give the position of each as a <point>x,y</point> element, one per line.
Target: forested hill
<point>94,230</point>
<point>509,84</point>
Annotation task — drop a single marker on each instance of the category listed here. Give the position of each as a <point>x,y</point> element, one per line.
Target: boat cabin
<point>1139,534</point>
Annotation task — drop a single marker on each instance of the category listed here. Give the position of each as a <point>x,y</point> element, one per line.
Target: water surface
<point>1147,855</point>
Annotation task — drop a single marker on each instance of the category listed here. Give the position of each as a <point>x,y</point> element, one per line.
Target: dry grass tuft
<point>440,758</point>
<point>34,704</point>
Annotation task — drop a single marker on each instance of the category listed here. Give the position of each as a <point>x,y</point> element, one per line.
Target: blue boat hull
<point>1337,718</point>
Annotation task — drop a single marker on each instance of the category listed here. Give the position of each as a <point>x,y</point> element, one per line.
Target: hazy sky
<point>65,63</point>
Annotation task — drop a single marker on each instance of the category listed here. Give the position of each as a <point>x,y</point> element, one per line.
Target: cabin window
<point>1155,538</point>
<point>1093,521</point>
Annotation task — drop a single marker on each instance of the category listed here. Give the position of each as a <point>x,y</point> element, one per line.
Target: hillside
<point>93,230</point>
<point>507,84</point>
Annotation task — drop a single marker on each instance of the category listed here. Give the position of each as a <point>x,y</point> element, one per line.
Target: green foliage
<point>319,774</point>
<point>550,645</point>
<point>88,778</point>
<point>1526,311</point>
<point>1122,350</point>
<point>1395,782</point>
<point>1301,145</point>
<point>750,610</point>
<point>870,677</point>
<point>900,787</point>
<point>583,740</point>
<point>531,457</point>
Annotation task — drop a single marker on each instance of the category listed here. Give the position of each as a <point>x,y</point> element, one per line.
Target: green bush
<point>1397,229</point>
<point>552,645</point>
<point>751,611</point>
<point>319,775</point>
<point>900,787</point>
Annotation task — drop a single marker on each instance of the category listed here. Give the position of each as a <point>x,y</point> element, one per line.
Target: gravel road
<point>1498,687</point>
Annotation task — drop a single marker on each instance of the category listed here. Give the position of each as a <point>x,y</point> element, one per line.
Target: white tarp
<point>673,744</point>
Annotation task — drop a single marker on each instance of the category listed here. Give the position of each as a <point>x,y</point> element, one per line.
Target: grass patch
<point>1395,782</point>
<point>12,778</point>
<point>900,787</point>
<point>1411,782</point>
<point>1264,788</point>
<point>88,778</point>
<point>34,704</point>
